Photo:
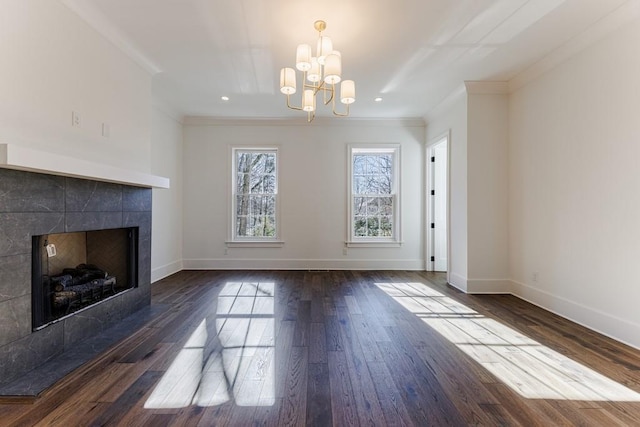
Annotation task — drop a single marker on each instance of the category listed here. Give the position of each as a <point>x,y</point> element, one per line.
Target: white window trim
<point>234,241</point>
<point>373,242</point>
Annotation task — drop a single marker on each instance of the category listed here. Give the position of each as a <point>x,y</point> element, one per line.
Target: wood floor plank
<point>332,330</point>
<point>283,347</point>
<point>317,343</point>
<point>122,407</point>
<point>364,392</point>
<point>318,396</point>
<point>390,399</point>
<point>303,320</point>
<point>343,405</point>
<point>294,402</point>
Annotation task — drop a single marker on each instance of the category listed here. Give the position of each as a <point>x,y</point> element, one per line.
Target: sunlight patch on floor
<point>529,368</point>
<point>233,362</point>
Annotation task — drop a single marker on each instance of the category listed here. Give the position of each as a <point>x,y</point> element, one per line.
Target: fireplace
<point>37,207</point>
<point>72,271</point>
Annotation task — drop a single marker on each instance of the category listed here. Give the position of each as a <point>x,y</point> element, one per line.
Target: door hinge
<point>433,225</point>
<point>433,192</point>
<point>433,259</point>
<point>433,159</point>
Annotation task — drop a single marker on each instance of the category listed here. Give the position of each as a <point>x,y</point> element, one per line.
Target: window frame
<point>374,241</point>
<point>252,241</point>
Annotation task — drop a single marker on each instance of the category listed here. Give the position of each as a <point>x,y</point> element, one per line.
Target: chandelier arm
<point>335,113</point>
<point>293,107</point>
<point>331,91</point>
<point>345,114</point>
<point>324,88</point>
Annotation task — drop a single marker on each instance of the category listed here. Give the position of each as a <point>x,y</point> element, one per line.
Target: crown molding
<point>456,95</point>
<point>168,111</point>
<point>288,121</point>
<point>486,87</point>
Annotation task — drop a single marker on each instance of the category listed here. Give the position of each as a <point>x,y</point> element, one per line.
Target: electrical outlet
<point>534,276</point>
<point>75,119</point>
<point>106,130</point>
<point>345,251</point>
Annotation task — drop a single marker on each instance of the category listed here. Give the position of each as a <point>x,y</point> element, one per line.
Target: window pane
<point>360,226</point>
<point>386,206</point>
<point>372,188</point>
<point>270,226</point>
<point>269,184</point>
<point>379,184</point>
<point>359,206</point>
<point>241,226</point>
<point>359,164</point>
<point>372,226</point>
<point>242,205</point>
<point>385,226</point>
<point>269,163</point>
<point>242,183</point>
<point>262,226</point>
<point>255,200</point>
<point>359,184</point>
<point>372,206</point>
<point>269,205</point>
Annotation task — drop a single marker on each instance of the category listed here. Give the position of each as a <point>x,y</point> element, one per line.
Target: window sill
<point>373,244</point>
<point>255,244</point>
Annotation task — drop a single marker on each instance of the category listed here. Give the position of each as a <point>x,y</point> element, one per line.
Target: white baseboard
<point>611,326</point>
<point>458,281</point>
<point>302,264</point>
<point>161,272</point>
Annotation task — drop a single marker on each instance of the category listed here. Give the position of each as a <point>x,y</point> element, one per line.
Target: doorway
<point>437,189</point>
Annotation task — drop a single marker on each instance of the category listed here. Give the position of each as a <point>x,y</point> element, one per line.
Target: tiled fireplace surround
<point>35,204</point>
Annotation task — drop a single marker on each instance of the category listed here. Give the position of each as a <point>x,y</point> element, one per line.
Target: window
<point>374,199</point>
<point>255,195</point>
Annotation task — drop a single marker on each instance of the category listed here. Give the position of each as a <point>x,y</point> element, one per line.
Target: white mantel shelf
<point>13,156</point>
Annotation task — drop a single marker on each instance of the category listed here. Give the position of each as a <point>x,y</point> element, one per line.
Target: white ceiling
<point>413,53</point>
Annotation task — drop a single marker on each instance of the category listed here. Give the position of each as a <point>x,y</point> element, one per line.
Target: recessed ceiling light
<point>378,99</point>
<point>224,98</point>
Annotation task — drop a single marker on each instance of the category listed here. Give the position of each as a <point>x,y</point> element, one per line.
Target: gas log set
<point>79,286</point>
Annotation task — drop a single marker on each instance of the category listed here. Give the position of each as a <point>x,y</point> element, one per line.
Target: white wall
<point>312,185</point>
<point>53,63</point>
<point>487,204</point>
<point>574,194</point>
<point>166,160</point>
<point>453,117</point>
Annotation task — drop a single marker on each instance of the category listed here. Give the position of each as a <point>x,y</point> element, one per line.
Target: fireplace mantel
<point>14,156</point>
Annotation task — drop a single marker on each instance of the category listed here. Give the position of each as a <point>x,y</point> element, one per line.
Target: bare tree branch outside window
<point>372,195</point>
<point>255,194</point>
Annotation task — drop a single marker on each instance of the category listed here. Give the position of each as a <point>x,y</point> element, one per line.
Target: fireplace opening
<point>71,271</point>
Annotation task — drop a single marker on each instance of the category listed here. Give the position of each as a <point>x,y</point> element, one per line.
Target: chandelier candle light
<point>320,73</point>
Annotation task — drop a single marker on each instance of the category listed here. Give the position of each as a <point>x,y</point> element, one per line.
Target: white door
<point>437,204</point>
<point>440,206</point>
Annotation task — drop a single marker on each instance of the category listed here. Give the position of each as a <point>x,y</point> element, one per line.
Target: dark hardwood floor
<point>344,348</point>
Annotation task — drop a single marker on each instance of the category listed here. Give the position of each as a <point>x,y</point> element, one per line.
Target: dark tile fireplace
<point>37,211</point>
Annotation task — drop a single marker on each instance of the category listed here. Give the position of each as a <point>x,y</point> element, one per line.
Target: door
<point>437,190</point>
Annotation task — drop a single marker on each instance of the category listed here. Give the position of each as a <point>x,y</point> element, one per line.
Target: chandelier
<point>320,75</point>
